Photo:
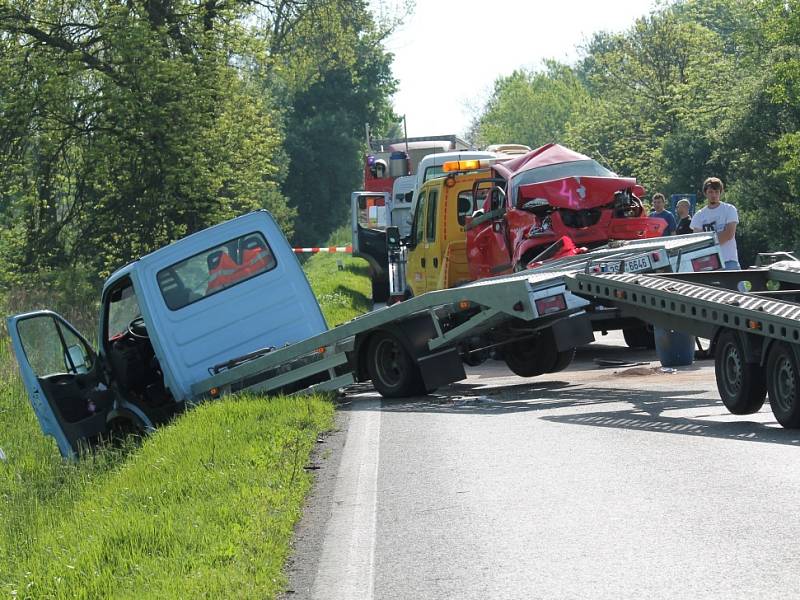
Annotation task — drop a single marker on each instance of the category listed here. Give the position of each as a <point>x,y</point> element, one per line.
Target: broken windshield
<point>576,168</point>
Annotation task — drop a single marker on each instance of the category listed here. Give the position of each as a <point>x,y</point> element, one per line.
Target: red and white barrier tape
<point>348,249</point>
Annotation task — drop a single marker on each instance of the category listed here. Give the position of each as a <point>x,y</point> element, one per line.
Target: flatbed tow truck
<point>755,335</point>
<point>229,309</point>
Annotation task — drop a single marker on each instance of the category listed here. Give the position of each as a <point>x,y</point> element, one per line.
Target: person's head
<point>683,207</point>
<point>659,202</point>
<point>712,189</point>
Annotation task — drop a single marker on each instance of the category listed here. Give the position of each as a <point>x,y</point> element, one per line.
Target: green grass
<point>343,294</point>
<point>202,508</point>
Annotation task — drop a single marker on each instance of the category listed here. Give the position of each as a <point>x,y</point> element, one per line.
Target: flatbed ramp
<point>431,325</point>
<point>755,335</point>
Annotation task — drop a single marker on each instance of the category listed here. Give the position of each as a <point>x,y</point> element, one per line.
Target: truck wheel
<point>742,386</point>
<point>380,290</point>
<point>525,359</point>
<point>640,336</point>
<point>390,367</point>
<point>563,360</point>
<point>783,382</point>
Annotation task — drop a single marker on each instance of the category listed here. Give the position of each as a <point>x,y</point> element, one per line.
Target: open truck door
<point>488,253</point>
<point>64,379</point>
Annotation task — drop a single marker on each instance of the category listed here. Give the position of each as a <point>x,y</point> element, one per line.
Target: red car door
<point>488,252</point>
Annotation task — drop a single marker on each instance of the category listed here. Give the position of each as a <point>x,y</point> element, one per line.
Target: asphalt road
<point>627,482</point>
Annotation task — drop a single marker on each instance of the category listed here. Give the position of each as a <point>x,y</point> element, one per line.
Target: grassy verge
<point>343,293</point>
<point>203,508</point>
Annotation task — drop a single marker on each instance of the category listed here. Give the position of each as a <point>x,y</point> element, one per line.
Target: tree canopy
<point>125,125</point>
<point>694,89</point>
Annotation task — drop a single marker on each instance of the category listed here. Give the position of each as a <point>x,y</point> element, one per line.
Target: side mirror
<point>76,359</point>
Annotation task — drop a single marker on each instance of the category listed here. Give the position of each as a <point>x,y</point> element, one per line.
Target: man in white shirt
<point>720,217</point>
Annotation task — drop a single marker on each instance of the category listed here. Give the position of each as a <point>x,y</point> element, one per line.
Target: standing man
<point>660,211</point>
<point>684,218</point>
<point>720,217</point>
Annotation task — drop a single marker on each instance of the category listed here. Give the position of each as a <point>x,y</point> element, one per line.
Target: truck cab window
<point>215,269</point>
<point>430,224</point>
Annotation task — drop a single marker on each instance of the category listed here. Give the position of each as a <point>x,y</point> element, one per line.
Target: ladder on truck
<point>755,335</point>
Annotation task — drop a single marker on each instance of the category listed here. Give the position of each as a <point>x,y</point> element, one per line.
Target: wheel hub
<point>785,384</point>
<point>733,370</point>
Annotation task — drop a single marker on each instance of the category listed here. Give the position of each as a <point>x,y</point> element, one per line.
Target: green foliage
<point>204,508</point>
<point>341,80</point>
<point>124,126</point>
<point>696,88</point>
<point>532,108</point>
<point>343,294</point>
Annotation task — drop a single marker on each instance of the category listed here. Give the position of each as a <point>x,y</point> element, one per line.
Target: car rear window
<point>215,269</point>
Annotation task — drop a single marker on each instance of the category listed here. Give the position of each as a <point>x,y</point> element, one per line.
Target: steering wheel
<point>138,329</point>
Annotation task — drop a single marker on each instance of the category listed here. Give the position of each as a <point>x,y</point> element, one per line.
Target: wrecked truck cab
<point>165,321</point>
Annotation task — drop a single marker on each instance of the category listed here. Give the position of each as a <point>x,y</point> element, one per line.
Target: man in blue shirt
<point>660,211</point>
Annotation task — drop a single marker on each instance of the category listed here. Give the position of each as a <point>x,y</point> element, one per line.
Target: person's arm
<point>728,233</point>
<point>673,224</point>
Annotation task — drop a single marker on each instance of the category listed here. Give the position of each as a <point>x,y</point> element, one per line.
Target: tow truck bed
<point>755,335</point>
<point>438,320</point>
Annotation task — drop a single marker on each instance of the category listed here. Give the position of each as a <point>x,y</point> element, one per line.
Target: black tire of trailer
<point>380,290</point>
<point>640,336</point>
<point>391,368</point>
<point>742,385</point>
<point>563,360</point>
<point>528,358</point>
<point>783,383</point>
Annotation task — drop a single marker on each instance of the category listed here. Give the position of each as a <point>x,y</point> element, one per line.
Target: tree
<point>130,125</point>
<point>340,79</point>
<point>531,108</point>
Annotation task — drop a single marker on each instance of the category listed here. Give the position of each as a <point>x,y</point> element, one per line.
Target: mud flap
<point>441,368</point>
<point>572,332</point>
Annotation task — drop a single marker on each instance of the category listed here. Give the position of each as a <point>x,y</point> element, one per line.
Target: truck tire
<point>523,359</point>
<point>563,360</point>
<point>639,336</point>
<point>391,368</point>
<point>783,383</point>
<point>530,358</point>
<point>742,386</point>
<point>380,290</point>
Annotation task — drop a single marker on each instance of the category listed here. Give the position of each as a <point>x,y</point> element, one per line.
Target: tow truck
<point>229,309</point>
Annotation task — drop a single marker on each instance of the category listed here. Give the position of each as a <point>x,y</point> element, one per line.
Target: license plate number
<point>638,263</point>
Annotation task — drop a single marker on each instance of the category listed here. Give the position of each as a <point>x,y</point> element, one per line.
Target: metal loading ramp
<point>693,308</point>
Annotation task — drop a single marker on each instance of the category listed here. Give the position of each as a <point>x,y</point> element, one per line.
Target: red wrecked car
<point>544,196</point>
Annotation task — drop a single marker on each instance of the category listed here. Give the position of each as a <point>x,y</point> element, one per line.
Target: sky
<point>448,53</point>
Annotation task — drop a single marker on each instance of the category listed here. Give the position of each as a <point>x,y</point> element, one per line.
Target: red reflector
<point>551,304</point>
<point>655,256</point>
<point>706,263</point>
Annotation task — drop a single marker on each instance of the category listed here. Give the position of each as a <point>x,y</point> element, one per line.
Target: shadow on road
<point>646,412</point>
<point>748,431</point>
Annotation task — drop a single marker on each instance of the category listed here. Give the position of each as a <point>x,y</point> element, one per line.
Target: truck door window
<point>419,219</point>
<point>122,309</point>
<point>430,224</point>
<point>372,212</point>
<point>466,206</point>
<point>51,348</point>
<point>215,269</point>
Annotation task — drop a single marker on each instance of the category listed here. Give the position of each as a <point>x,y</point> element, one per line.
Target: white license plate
<point>638,263</point>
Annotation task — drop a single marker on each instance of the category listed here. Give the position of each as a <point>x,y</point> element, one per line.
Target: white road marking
<point>346,566</point>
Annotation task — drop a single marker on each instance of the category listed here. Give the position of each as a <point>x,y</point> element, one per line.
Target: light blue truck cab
<point>166,321</point>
